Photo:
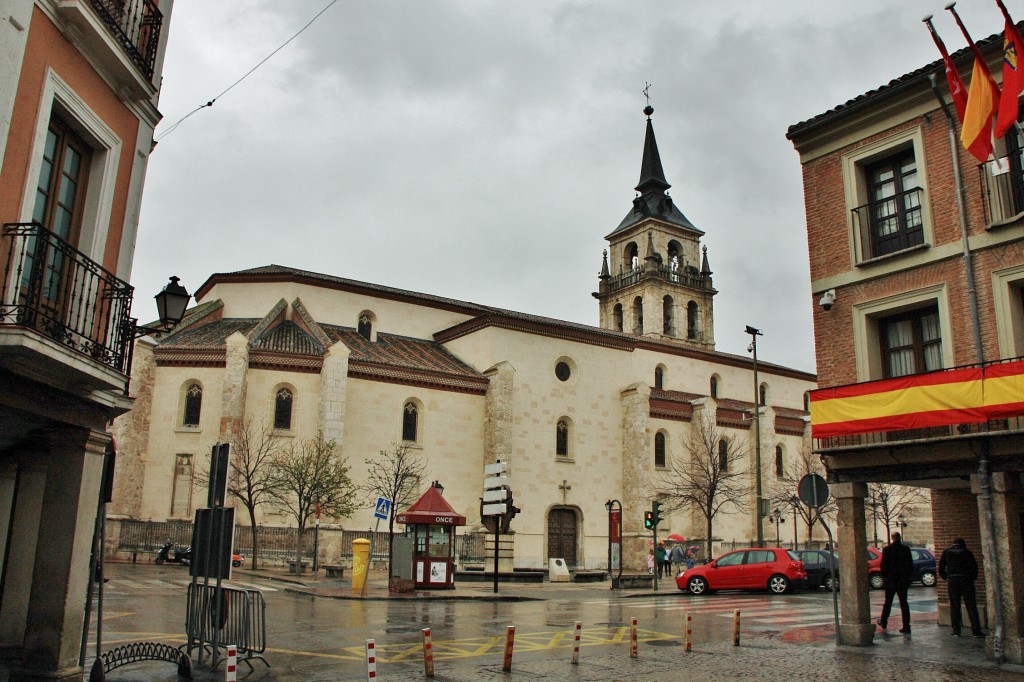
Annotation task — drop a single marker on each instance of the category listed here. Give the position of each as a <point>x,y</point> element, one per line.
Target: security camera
<point>828,300</point>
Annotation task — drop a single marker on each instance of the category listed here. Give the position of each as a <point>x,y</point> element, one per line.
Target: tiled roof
<point>401,352</point>
<point>963,58</point>
<point>212,335</point>
<point>287,337</point>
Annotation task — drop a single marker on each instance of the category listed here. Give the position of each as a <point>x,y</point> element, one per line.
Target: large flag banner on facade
<point>1013,76</point>
<point>956,84</point>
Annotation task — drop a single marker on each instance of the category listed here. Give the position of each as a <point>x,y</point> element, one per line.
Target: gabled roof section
<point>287,337</point>
<point>401,352</point>
<point>963,58</point>
<point>652,200</point>
<point>281,273</point>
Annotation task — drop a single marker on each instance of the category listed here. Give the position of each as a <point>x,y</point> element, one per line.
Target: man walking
<point>897,569</point>
<point>959,569</point>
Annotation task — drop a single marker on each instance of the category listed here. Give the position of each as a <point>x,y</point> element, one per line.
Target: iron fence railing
<point>889,225</point>
<point>136,25</point>
<point>688,276</point>
<point>471,548</point>
<point>55,289</point>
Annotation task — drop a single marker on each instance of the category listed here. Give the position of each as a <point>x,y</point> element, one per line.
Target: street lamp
<point>752,348</point>
<point>794,502</point>
<point>440,488</point>
<point>171,303</point>
<point>776,517</point>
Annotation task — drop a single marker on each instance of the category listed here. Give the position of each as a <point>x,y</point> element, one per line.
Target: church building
<point>581,414</point>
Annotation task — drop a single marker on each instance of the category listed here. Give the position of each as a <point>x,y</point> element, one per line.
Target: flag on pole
<point>956,84</point>
<point>1013,75</point>
<point>982,102</point>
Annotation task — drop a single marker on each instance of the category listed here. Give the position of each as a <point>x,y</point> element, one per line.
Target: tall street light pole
<point>754,333</point>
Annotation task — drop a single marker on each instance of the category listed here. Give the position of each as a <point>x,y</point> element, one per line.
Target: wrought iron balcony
<point>1002,186</point>
<point>888,225</point>
<point>136,25</point>
<point>52,288</point>
<point>685,276</point>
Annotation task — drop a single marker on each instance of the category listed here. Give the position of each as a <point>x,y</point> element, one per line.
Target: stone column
<point>26,494</point>
<point>637,461</point>
<point>236,371</point>
<point>334,392</point>
<point>855,625</point>
<point>131,433</point>
<point>499,413</point>
<point>1007,511</point>
<point>62,572</point>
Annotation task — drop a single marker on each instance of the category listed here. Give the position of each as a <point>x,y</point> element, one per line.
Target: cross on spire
<point>647,95</point>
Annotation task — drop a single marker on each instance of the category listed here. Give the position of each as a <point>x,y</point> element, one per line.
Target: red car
<point>758,568</point>
<point>875,578</point>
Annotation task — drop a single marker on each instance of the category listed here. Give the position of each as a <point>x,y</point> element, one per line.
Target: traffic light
<point>655,512</point>
<point>648,520</point>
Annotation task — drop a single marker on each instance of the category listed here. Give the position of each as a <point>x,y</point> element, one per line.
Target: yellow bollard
<point>736,627</point>
<point>360,562</point>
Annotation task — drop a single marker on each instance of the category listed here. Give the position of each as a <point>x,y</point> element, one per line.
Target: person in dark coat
<point>959,569</point>
<point>897,569</point>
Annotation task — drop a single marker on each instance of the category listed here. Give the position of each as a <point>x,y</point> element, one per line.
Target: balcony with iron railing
<point>1002,188</point>
<point>65,310</point>
<point>688,276</point>
<point>888,225</point>
<point>122,34</point>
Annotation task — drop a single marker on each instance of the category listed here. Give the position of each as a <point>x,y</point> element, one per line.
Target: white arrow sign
<point>495,509</point>
<point>495,469</point>
<point>495,495</point>
<point>492,482</point>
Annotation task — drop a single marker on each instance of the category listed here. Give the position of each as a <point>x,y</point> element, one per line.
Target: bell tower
<point>655,279</point>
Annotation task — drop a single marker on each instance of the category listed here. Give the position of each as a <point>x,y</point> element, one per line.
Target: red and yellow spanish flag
<point>957,396</point>
<point>957,89</point>
<point>982,102</point>
<point>1013,76</point>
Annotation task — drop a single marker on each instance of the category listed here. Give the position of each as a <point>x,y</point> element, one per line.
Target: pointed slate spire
<point>605,274</point>
<point>652,175</point>
<point>652,255</point>
<point>705,269</point>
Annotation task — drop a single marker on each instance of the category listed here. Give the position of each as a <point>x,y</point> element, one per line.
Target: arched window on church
<point>638,315</point>
<point>691,320</point>
<point>617,317</point>
<point>762,394</point>
<point>631,256</point>
<point>659,449</point>
<point>779,463</point>
<point>365,326</point>
<point>193,405</point>
<point>563,438</point>
<point>723,456</point>
<point>714,386</point>
<point>410,422</point>
<point>283,409</point>
<point>669,315</point>
<point>659,377</point>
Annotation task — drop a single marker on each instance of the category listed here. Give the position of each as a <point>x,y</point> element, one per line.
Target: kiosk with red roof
<point>431,522</point>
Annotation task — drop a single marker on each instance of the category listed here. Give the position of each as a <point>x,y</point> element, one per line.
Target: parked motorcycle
<point>237,559</point>
<point>174,554</point>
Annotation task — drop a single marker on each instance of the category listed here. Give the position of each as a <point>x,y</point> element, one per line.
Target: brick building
<point>79,85</point>
<point>907,281</point>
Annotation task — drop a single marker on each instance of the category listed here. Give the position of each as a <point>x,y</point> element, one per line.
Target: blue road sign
<point>383,508</point>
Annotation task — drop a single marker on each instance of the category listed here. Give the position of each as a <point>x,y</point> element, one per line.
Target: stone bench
<point>633,581</point>
<point>589,576</point>
<point>296,567</point>
<point>333,570</point>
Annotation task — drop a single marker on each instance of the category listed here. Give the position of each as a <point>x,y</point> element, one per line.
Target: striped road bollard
<point>736,627</point>
<point>371,660</point>
<point>231,664</point>
<point>428,654</point>
<point>633,653</point>
<point>689,632</point>
<point>576,644</point>
<point>510,640</point>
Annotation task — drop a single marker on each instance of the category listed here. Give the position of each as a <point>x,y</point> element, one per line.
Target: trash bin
<point>360,562</point>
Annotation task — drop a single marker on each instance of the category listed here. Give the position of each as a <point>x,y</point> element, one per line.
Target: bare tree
<point>251,477</point>
<point>310,474</point>
<point>782,494</point>
<point>708,477</point>
<point>395,474</point>
<point>889,502</point>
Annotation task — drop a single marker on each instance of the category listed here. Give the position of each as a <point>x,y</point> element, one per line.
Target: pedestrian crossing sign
<point>383,508</point>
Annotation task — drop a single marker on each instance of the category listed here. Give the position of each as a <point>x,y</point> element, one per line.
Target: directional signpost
<point>496,502</point>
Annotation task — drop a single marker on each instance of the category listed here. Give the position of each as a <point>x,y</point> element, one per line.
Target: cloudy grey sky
<point>482,150</point>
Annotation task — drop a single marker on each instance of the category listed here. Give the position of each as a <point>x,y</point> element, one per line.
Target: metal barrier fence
<point>471,548</point>
<point>243,621</point>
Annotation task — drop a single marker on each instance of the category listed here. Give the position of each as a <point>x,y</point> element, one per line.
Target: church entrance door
<point>562,535</point>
